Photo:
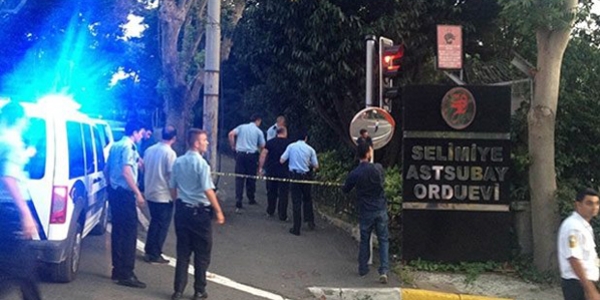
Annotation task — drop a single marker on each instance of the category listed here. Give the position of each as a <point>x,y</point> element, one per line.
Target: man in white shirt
<point>158,161</point>
<point>577,256</point>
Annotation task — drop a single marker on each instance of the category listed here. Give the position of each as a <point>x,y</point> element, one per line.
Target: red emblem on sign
<point>458,108</point>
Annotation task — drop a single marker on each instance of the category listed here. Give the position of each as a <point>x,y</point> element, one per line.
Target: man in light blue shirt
<point>247,140</point>
<point>272,131</point>
<point>192,186</point>
<point>17,222</point>
<point>123,194</point>
<point>302,158</point>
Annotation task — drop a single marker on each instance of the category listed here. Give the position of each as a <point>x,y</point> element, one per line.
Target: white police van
<point>66,186</point>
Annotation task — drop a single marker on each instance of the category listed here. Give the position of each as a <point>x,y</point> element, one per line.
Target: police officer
<point>247,140</point>
<point>196,202</point>
<point>302,158</point>
<point>17,225</point>
<point>121,172</point>
<point>272,131</point>
<point>577,255</point>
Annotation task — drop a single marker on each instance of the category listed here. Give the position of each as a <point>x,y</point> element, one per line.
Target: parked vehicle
<point>67,188</point>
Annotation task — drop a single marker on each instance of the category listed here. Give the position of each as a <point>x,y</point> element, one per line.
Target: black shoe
<point>132,282</point>
<point>292,231</point>
<point>114,278</point>
<point>252,202</point>
<point>200,295</point>
<point>311,226</point>
<point>160,260</point>
<point>176,296</point>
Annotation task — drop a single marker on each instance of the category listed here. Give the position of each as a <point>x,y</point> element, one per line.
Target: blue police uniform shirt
<point>272,132</point>
<point>301,157</point>
<point>191,178</point>
<point>122,153</point>
<point>249,138</point>
<point>13,159</point>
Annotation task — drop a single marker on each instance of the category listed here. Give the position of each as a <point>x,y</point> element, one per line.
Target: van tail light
<point>58,212</point>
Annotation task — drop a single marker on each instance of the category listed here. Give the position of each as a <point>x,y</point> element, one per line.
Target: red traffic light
<point>391,60</point>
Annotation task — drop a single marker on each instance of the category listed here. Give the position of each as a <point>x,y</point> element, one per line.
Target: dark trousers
<point>277,197</point>
<point>160,220</point>
<point>572,289</point>
<point>124,232</point>
<point>194,235</point>
<point>247,164</point>
<point>301,201</point>
<point>17,260</point>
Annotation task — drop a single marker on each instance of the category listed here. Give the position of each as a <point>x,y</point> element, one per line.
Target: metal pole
<point>210,118</point>
<point>370,39</point>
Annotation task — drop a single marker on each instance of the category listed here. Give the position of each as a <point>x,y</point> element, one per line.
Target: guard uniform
<point>123,208</point>
<point>193,215</point>
<point>302,158</point>
<point>576,239</point>
<point>272,132</point>
<point>17,260</point>
<point>249,140</point>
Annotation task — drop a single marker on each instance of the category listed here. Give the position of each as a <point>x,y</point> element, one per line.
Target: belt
<point>192,205</point>
<point>248,153</point>
<point>298,172</point>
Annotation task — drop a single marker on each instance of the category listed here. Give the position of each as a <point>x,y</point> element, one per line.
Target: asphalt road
<point>253,257</point>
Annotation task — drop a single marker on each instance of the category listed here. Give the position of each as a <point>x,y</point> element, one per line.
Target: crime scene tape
<point>313,182</point>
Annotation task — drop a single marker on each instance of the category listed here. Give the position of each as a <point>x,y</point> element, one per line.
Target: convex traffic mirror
<point>378,123</point>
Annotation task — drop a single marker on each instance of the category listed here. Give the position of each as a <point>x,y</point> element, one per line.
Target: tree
<point>552,22</point>
<point>306,59</point>
<point>59,46</point>
<point>181,37</point>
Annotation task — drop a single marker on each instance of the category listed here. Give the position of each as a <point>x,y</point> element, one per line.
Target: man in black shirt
<point>364,138</point>
<point>269,159</point>
<point>368,178</point>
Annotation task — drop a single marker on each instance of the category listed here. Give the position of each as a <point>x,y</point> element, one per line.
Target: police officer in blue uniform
<point>302,160</point>
<point>121,172</point>
<point>247,140</point>
<point>17,225</point>
<point>192,186</point>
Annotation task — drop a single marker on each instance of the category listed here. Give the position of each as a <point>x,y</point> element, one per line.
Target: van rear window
<point>35,140</point>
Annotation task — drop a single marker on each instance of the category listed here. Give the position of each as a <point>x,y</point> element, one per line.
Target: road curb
<point>329,293</point>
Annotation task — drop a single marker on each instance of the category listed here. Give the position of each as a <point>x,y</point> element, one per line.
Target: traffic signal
<point>391,63</point>
<point>391,60</point>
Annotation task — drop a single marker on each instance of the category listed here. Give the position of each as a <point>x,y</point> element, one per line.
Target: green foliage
<point>393,189</point>
<point>524,268</point>
<point>305,59</point>
<point>527,16</point>
<point>472,270</point>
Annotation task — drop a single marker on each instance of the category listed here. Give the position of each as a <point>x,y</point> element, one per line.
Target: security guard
<point>577,255</point>
<point>247,140</point>
<point>192,186</point>
<point>121,171</point>
<point>302,158</point>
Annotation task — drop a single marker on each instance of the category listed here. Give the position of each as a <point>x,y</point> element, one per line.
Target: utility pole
<point>210,117</point>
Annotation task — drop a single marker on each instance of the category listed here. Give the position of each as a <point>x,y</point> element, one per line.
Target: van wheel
<point>66,270</point>
<point>100,228</point>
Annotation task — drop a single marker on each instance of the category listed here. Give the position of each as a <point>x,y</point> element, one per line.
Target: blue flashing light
<point>57,102</point>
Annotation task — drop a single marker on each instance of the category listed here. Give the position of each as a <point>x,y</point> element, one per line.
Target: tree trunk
<point>551,45</point>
